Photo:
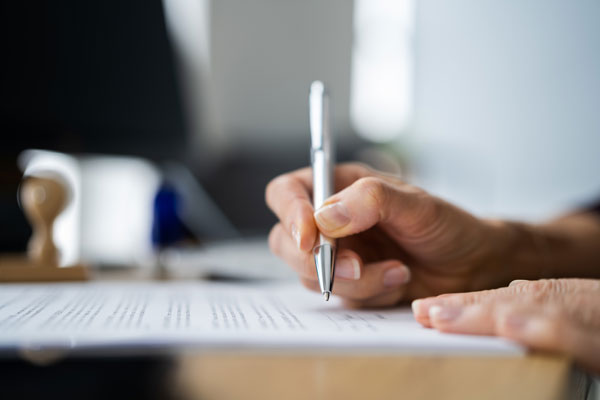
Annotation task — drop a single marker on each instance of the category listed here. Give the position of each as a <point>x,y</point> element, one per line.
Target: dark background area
<point>83,77</point>
<point>101,77</point>
<point>101,378</point>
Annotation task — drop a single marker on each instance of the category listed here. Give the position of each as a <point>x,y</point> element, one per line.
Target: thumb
<point>371,201</point>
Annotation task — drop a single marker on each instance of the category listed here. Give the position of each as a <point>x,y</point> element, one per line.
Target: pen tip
<point>326,296</point>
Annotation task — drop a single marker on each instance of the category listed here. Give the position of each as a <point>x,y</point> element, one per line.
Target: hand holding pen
<point>396,243</point>
<point>383,226</point>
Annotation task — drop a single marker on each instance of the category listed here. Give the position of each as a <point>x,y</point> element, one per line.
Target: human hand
<point>396,242</point>
<point>559,315</point>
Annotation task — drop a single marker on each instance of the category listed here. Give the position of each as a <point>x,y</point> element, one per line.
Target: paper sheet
<point>204,314</point>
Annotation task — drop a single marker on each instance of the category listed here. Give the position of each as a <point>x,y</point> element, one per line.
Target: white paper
<point>104,315</point>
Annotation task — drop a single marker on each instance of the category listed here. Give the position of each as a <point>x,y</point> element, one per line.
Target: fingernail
<point>296,235</point>
<point>333,216</point>
<point>421,307</point>
<point>445,314</point>
<point>517,282</point>
<point>347,268</point>
<point>516,322</point>
<point>396,276</point>
<point>416,307</point>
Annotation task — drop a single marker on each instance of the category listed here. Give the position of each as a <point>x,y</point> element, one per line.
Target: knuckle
<point>540,291</point>
<point>429,209</point>
<point>481,297</point>
<point>363,169</point>
<point>374,188</point>
<point>538,288</point>
<point>470,298</point>
<point>431,206</point>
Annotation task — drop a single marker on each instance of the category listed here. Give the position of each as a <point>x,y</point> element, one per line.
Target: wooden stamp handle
<point>42,199</point>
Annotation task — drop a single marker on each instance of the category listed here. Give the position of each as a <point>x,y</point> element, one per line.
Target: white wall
<point>507,103</point>
<point>264,55</point>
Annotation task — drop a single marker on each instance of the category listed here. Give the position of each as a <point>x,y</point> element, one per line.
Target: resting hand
<point>396,242</point>
<point>560,315</point>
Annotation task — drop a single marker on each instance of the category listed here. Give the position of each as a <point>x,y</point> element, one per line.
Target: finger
<point>386,299</point>
<point>540,326</point>
<point>288,196</point>
<point>422,308</point>
<point>344,175</point>
<point>348,265</point>
<point>376,279</point>
<point>383,300</point>
<point>478,319</point>
<point>483,318</point>
<point>284,247</point>
<point>535,291</point>
<point>475,319</point>
<point>552,330</point>
<point>355,281</point>
<point>373,200</point>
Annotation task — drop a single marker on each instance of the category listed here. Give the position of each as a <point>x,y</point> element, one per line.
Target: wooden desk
<point>223,375</point>
<point>252,375</point>
<point>227,374</point>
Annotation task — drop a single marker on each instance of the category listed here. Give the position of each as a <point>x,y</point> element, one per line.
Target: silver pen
<point>322,161</point>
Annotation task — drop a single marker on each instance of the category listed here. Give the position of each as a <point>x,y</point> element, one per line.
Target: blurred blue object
<point>201,216</point>
<point>183,211</point>
<point>167,227</point>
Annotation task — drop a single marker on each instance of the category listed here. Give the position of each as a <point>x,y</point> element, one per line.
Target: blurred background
<point>195,105</point>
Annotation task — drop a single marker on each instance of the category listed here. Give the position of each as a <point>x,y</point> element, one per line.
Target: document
<point>173,315</point>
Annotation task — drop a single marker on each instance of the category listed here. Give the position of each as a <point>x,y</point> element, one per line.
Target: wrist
<point>504,240</point>
<point>517,250</point>
<point>525,251</point>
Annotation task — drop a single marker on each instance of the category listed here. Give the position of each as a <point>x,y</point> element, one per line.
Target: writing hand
<point>396,242</point>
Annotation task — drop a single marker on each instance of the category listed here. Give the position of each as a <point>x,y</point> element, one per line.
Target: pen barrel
<point>323,162</point>
<point>322,185</point>
<point>322,177</point>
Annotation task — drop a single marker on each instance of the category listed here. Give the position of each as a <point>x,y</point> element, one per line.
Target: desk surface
<point>271,375</point>
<point>262,375</point>
<point>228,375</point>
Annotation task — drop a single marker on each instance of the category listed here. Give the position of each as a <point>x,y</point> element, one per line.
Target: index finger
<point>533,291</point>
<point>289,197</point>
